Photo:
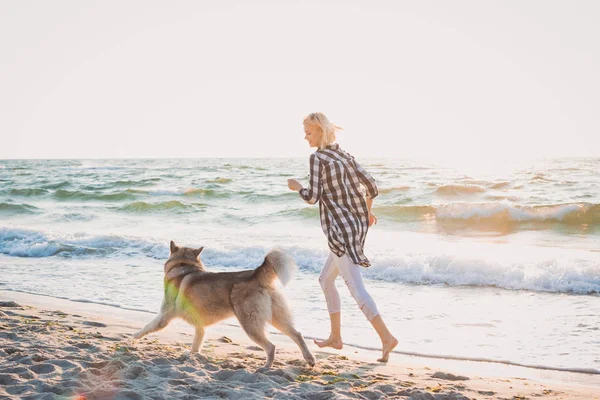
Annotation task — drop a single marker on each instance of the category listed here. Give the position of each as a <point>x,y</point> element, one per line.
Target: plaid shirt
<point>335,182</point>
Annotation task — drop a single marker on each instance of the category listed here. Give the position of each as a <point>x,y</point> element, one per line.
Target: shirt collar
<point>333,146</point>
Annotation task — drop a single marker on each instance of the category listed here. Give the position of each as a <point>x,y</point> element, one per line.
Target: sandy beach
<point>59,349</point>
<point>434,163</point>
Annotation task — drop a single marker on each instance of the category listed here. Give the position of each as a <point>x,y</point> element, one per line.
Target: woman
<point>335,182</point>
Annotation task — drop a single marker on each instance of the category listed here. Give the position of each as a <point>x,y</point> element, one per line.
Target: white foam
<point>543,275</point>
<point>37,243</point>
<point>536,269</point>
<point>553,273</point>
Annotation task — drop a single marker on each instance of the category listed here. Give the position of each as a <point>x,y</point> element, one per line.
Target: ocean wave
<point>57,185</point>
<point>562,276</point>
<point>219,180</point>
<point>267,196</point>
<point>229,166</point>
<point>500,185</point>
<point>91,166</point>
<point>32,243</point>
<point>540,178</point>
<point>62,194</point>
<point>158,192</point>
<point>456,190</point>
<point>500,198</point>
<point>27,192</point>
<point>555,274</point>
<point>200,192</point>
<point>70,216</point>
<point>304,212</point>
<point>405,213</point>
<point>470,181</point>
<point>95,193</point>
<point>499,212</point>
<point>571,213</point>
<point>190,192</point>
<point>97,186</point>
<point>141,182</point>
<point>488,184</point>
<point>163,206</point>
<point>12,208</point>
<point>394,189</point>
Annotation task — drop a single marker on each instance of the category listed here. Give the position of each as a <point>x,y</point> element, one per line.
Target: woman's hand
<point>294,185</point>
<point>372,219</point>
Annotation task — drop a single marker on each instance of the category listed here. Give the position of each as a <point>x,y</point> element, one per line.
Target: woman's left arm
<point>372,217</point>
<point>369,183</point>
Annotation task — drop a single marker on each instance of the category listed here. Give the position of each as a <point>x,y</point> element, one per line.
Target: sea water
<point>494,262</point>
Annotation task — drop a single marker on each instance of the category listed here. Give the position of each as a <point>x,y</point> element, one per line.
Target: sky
<point>438,79</point>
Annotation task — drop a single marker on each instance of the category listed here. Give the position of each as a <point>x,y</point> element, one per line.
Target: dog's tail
<point>277,264</point>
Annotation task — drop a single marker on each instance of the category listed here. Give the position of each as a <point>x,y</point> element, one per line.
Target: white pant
<point>344,266</point>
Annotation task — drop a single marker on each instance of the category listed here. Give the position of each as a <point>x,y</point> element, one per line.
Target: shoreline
<point>228,362</point>
<point>584,374</point>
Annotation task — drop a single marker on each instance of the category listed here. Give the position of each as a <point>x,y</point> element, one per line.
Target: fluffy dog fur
<point>204,298</point>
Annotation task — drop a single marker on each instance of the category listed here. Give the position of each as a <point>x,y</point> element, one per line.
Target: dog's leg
<point>256,331</point>
<point>282,320</point>
<point>198,339</point>
<point>288,330</point>
<point>252,307</point>
<point>257,334</point>
<point>158,323</point>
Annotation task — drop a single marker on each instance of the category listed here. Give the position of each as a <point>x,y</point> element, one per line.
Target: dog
<point>203,298</point>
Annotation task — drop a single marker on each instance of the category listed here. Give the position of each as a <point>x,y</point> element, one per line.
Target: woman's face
<point>312,135</point>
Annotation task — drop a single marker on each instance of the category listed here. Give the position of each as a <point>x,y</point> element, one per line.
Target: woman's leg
<point>351,274</point>
<point>332,298</point>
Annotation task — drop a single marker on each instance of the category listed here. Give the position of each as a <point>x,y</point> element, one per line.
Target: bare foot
<point>336,343</point>
<point>386,348</point>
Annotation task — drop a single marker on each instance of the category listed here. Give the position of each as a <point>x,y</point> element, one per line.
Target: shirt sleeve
<point>367,180</point>
<point>312,193</point>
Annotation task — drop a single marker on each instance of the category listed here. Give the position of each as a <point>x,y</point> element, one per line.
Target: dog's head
<point>184,254</point>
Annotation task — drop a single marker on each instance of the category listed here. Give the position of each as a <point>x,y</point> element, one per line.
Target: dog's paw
<point>311,361</point>
<point>138,335</point>
<point>262,370</point>
<point>197,356</point>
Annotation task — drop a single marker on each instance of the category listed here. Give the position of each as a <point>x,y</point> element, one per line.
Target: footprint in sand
<point>42,368</point>
<point>94,323</point>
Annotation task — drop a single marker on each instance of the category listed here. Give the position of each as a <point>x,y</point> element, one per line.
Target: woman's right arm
<point>312,194</point>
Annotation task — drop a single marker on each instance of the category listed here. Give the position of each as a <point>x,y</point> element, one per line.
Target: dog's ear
<point>174,247</point>
<point>198,251</point>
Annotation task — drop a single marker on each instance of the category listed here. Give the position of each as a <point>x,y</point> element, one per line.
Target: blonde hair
<point>328,129</point>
